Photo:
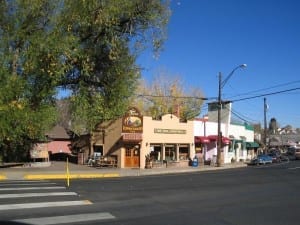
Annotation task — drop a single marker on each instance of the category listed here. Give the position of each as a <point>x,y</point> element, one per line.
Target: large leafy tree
<point>26,69</point>
<point>88,48</point>
<point>109,35</point>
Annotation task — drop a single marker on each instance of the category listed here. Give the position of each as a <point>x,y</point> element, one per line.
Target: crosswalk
<point>19,196</point>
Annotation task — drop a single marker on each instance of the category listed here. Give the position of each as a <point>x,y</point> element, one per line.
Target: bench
<point>106,161</point>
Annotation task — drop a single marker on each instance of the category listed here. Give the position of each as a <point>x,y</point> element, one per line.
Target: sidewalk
<point>58,170</point>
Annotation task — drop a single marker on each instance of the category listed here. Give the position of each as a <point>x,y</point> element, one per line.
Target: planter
<point>149,165</point>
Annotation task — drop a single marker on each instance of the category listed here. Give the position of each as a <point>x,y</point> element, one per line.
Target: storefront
<point>134,138</point>
<point>167,141</point>
<point>119,141</point>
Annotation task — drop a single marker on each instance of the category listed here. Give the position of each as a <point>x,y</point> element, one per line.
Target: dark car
<point>276,157</point>
<point>290,153</point>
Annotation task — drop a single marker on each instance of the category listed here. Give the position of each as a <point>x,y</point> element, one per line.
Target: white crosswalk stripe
<point>25,195</point>
<point>67,219</point>
<point>18,195</point>
<point>34,189</point>
<point>43,205</point>
<point>30,188</point>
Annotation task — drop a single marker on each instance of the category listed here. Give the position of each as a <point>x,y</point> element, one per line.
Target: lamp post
<point>221,85</point>
<point>205,119</point>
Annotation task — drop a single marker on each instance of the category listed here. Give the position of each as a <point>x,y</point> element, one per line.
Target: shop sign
<point>132,136</point>
<point>169,131</point>
<point>132,121</point>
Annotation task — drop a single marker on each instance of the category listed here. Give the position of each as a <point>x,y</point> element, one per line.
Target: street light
<point>221,85</point>
<point>205,119</point>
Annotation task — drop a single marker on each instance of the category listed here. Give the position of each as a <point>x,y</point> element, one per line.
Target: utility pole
<point>221,85</point>
<point>265,122</point>
<point>219,142</point>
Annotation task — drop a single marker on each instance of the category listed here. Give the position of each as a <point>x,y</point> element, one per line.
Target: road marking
<point>67,219</point>
<point>22,181</point>
<point>36,183</point>
<point>25,195</point>
<point>31,188</point>
<point>44,204</point>
<point>294,168</point>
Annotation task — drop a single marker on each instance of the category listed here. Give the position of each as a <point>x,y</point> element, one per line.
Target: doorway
<point>132,156</point>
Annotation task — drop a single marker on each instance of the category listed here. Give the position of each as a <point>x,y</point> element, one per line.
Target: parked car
<point>291,153</point>
<point>297,153</point>
<point>276,157</point>
<point>261,159</point>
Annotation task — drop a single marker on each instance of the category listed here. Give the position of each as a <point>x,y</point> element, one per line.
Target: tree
<point>109,35</point>
<point>166,95</point>
<point>86,47</point>
<point>26,103</point>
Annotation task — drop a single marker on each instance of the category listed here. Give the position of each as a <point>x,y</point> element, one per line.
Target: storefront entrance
<point>132,157</point>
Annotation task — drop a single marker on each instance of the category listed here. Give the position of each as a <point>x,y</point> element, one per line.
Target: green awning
<point>252,145</point>
<point>238,141</point>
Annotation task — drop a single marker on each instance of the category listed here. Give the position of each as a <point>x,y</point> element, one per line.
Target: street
<point>251,195</point>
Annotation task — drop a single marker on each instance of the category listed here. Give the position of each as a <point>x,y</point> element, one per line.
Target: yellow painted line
<point>71,176</point>
<point>2,177</point>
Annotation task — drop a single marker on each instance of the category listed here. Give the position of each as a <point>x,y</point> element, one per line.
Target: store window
<point>155,153</point>
<point>98,151</point>
<point>183,153</point>
<point>170,153</point>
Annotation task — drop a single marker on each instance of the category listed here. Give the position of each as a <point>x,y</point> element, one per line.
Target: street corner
<point>69,176</point>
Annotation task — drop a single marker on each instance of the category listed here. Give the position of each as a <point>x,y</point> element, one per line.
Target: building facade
<point>135,140</point>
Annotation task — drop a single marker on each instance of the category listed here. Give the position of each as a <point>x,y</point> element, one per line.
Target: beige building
<point>129,141</point>
<point>167,141</point>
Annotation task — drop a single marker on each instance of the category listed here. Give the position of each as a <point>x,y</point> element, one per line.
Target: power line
<point>243,117</point>
<point>268,88</point>
<point>267,94</point>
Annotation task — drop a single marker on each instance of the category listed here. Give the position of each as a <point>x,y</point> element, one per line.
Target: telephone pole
<point>265,122</point>
<point>221,85</point>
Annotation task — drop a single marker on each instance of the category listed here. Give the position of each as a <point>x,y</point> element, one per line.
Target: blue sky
<point>206,37</point>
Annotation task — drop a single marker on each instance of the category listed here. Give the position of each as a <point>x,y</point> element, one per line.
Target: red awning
<point>225,140</point>
<point>201,139</point>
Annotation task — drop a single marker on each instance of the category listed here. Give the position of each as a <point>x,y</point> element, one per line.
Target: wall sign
<point>132,121</point>
<point>169,131</point>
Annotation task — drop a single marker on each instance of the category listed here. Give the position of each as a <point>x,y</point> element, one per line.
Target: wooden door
<point>132,157</point>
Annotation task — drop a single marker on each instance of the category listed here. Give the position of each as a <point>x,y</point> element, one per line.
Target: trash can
<point>195,162</point>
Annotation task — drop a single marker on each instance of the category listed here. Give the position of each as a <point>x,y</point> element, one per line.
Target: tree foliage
<point>86,47</point>
<point>103,73</point>
<point>166,95</point>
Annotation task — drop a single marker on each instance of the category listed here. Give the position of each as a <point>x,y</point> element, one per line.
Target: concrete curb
<point>70,176</point>
<point>58,172</point>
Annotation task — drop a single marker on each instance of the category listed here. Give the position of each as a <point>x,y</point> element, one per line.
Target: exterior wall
<point>202,128</point>
<point>240,132</point>
<point>181,133</point>
<point>169,131</point>
<point>109,136</point>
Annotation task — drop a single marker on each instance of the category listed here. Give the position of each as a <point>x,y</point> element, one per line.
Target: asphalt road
<point>268,195</point>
